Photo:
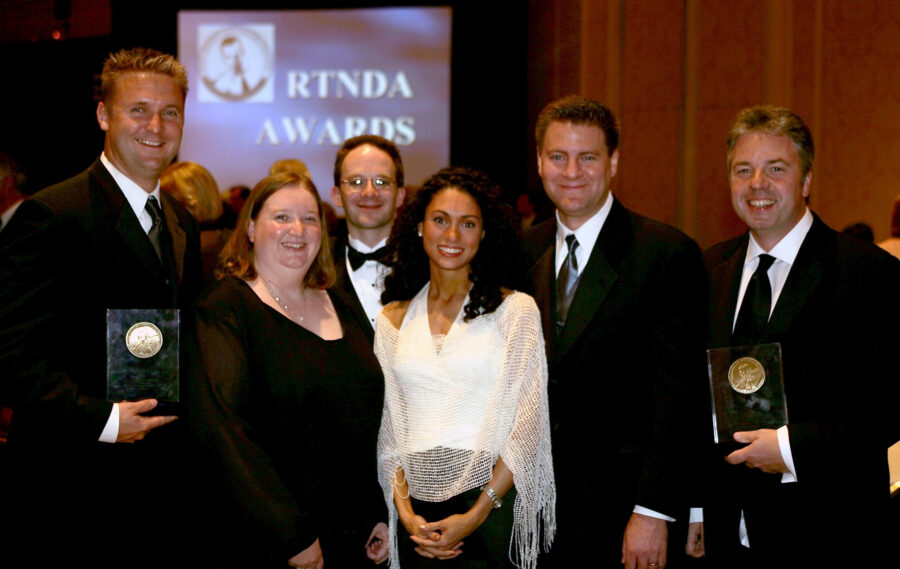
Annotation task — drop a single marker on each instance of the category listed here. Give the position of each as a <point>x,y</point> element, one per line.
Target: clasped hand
<point>441,539</point>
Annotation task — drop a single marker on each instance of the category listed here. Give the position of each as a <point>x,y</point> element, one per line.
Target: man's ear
<point>336,197</point>
<point>103,116</point>
<point>614,163</point>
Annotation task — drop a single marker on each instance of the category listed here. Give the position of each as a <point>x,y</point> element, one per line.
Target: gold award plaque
<point>144,340</point>
<point>746,375</point>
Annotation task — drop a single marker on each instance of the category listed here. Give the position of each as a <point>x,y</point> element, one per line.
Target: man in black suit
<point>815,489</point>
<point>368,184</point>
<point>622,302</point>
<point>106,238</point>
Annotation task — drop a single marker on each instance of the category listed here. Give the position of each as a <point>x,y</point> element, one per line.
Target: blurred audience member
<point>892,245</point>
<point>860,231</point>
<point>292,165</point>
<point>232,202</point>
<point>196,189</point>
<point>331,218</point>
<point>12,179</point>
<point>525,210</point>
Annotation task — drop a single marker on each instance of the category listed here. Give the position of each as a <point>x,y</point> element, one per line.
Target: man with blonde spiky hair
<point>106,238</point>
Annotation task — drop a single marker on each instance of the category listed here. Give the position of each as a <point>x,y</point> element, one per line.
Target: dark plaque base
<point>747,389</point>
<point>142,354</point>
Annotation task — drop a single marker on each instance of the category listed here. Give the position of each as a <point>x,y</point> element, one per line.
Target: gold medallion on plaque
<point>746,375</point>
<point>143,340</point>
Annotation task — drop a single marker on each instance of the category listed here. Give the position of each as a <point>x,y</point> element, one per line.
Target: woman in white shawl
<point>465,425</point>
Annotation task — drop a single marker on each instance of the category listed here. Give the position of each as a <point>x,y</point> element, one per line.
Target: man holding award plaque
<point>803,332</point>
<point>93,272</point>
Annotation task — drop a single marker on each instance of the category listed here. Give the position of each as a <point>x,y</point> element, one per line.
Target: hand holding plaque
<point>142,354</point>
<point>747,389</point>
<point>134,425</point>
<point>761,450</point>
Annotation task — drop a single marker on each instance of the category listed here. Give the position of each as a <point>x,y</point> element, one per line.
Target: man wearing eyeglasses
<point>368,185</point>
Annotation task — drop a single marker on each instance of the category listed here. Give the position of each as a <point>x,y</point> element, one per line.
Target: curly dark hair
<point>496,264</point>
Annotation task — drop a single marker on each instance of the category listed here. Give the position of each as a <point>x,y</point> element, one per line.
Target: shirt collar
<point>362,247</point>
<point>589,231</point>
<point>785,250</point>
<point>136,195</point>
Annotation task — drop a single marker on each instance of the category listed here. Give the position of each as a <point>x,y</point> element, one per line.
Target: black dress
<point>287,425</point>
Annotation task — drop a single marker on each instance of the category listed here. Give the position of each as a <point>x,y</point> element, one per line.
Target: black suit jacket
<point>625,372</point>
<point>836,319</point>
<point>345,284</point>
<point>72,251</point>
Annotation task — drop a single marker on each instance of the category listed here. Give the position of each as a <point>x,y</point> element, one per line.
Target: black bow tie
<point>357,259</point>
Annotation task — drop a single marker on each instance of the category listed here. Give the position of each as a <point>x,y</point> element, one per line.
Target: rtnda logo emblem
<point>236,63</point>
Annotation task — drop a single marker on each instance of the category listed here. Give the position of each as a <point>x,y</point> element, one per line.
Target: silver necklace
<point>277,297</point>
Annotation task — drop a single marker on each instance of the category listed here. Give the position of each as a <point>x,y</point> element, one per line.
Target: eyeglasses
<point>358,183</point>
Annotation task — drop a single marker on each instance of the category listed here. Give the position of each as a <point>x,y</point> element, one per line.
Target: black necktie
<point>357,259</point>
<point>162,243</point>
<point>567,280</point>
<point>155,212</point>
<point>756,306</point>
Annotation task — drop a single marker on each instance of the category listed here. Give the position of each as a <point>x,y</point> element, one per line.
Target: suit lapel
<point>594,285</point>
<point>599,276</point>
<point>344,282</point>
<point>804,278</point>
<point>127,225</point>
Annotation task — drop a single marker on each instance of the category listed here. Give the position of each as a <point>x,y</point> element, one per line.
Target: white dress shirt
<point>368,279</point>
<point>586,235</point>
<point>137,196</point>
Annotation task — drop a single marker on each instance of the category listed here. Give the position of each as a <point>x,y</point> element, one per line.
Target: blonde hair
<point>140,59</point>
<point>193,186</point>
<point>290,165</point>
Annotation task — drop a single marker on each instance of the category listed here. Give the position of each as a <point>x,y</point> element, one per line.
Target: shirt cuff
<point>696,516</point>
<point>652,514</point>
<point>111,430</point>
<point>742,531</point>
<point>784,445</point>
